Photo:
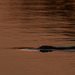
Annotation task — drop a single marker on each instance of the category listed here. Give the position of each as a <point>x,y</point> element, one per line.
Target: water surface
<point>34,23</point>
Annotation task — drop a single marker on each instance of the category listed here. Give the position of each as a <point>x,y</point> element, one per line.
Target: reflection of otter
<point>54,48</point>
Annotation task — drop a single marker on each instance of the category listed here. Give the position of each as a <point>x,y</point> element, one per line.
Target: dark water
<point>37,22</point>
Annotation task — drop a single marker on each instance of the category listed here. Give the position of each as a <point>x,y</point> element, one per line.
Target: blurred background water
<point>37,22</point>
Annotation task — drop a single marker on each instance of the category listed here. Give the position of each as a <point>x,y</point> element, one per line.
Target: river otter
<point>46,47</point>
<point>55,48</point>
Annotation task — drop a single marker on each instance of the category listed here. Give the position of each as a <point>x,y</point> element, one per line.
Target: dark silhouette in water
<point>49,48</point>
<point>46,47</point>
<point>55,48</point>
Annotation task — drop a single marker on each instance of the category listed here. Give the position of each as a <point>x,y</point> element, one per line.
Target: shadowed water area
<point>33,23</point>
